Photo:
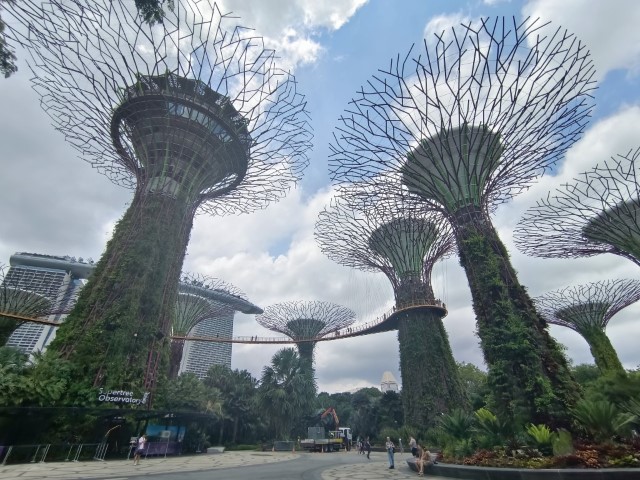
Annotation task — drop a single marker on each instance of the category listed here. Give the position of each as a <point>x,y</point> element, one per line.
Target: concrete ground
<point>228,465</point>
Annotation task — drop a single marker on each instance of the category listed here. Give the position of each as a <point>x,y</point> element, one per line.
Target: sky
<point>53,202</point>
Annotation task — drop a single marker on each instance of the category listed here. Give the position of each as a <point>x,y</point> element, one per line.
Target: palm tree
<point>286,391</point>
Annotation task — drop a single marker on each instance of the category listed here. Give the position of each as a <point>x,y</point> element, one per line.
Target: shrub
<point>562,443</point>
<point>457,424</point>
<point>602,420</point>
<point>542,437</point>
<point>491,430</point>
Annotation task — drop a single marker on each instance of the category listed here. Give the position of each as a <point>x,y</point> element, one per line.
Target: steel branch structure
<point>302,320</point>
<point>19,300</point>
<point>392,236</point>
<point>465,123</point>
<point>597,213</point>
<point>194,115</point>
<point>587,309</point>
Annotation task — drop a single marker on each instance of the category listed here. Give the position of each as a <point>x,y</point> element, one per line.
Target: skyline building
<point>214,322</point>
<point>388,383</point>
<point>60,279</point>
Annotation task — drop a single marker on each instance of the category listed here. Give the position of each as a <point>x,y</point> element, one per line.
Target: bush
<point>602,420</point>
<point>542,438</point>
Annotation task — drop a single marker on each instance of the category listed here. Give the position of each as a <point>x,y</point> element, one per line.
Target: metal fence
<point>48,452</point>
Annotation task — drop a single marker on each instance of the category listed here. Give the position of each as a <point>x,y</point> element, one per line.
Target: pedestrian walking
<point>367,446</point>
<point>142,443</point>
<point>391,449</point>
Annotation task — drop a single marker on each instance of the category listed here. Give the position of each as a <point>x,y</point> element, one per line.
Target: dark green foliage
<point>364,413</point>
<point>238,391</point>
<point>430,381</point>
<point>115,337</point>
<point>585,373</point>
<point>391,410</point>
<point>528,374</point>
<point>474,382</point>
<point>602,420</point>
<point>286,393</point>
<point>616,388</point>
<point>152,11</point>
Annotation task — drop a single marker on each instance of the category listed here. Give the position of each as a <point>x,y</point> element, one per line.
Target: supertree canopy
<point>587,309</point>
<point>404,243</point>
<point>464,123</point>
<point>597,213</point>
<point>304,321</point>
<point>19,301</point>
<point>194,115</point>
<point>201,298</point>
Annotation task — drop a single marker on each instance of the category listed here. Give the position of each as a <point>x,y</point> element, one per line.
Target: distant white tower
<point>388,383</point>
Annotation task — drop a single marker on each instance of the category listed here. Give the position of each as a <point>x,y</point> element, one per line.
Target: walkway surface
<point>334,466</point>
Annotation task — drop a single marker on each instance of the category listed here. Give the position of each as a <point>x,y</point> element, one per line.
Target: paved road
<point>224,466</point>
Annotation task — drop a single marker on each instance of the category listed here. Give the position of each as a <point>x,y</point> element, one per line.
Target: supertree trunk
<point>430,380</point>
<point>603,352</point>
<point>177,348</point>
<point>528,374</point>
<point>305,350</point>
<point>130,298</point>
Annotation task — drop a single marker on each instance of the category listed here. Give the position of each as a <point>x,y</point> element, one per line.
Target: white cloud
<point>291,27</point>
<point>609,29</point>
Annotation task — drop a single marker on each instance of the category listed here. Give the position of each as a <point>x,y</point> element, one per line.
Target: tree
<point>474,381</point>
<point>286,392</point>
<point>238,394</point>
<point>152,11</point>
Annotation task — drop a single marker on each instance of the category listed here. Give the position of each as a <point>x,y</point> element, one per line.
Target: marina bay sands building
<point>59,278</point>
<point>199,356</point>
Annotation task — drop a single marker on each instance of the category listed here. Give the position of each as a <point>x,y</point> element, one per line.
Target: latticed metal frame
<point>306,320</point>
<point>199,299</point>
<point>91,56</point>
<point>410,240</point>
<point>524,84</point>
<point>17,299</point>
<point>599,212</point>
<point>588,306</point>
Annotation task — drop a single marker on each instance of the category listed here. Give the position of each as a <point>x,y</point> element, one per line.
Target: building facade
<point>198,357</point>
<point>60,279</point>
<point>389,383</point>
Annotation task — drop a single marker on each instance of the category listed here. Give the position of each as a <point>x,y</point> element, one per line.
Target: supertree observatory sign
<point>122,396</point>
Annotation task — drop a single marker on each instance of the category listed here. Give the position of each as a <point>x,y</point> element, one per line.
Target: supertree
<point>20,301</point>
<point>587,309</point>
<point>305,321</point>
<point>194,115</point>
<point>598,213</point>
<point>202,298</point>
<point>465,123</point>
<point>403,243</point>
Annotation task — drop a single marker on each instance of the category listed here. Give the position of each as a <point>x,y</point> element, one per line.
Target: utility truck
<point>327,435</point>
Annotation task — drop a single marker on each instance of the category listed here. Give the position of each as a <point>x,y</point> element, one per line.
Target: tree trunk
<point>528,373</point>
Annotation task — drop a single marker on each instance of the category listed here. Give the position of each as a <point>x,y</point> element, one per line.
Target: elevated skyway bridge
<point>385,323</point>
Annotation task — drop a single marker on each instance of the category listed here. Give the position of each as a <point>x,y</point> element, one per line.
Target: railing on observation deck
<point>347,332</point>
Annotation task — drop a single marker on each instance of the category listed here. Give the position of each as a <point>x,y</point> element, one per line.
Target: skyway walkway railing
<point>353,331</point>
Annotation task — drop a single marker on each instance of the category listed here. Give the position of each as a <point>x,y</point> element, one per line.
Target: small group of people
<point>364,447</point>
<point>422,455</point>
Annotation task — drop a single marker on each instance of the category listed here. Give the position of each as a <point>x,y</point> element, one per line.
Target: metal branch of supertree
<point>387,233</point>
<point>599,212</point>
<point>193,106</point>
<point>198,299</point>
<point>588,306</point>
<point>22,299</point>
<point>469,118</point>
<point>217,290</point>
<point>306,320</point>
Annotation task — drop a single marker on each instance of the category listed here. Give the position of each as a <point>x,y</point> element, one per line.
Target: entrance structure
<point>193,114</point>
<point>597,213</point>
<point>403,243</point>
<point>464,123</point>
<point>587,309</point>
